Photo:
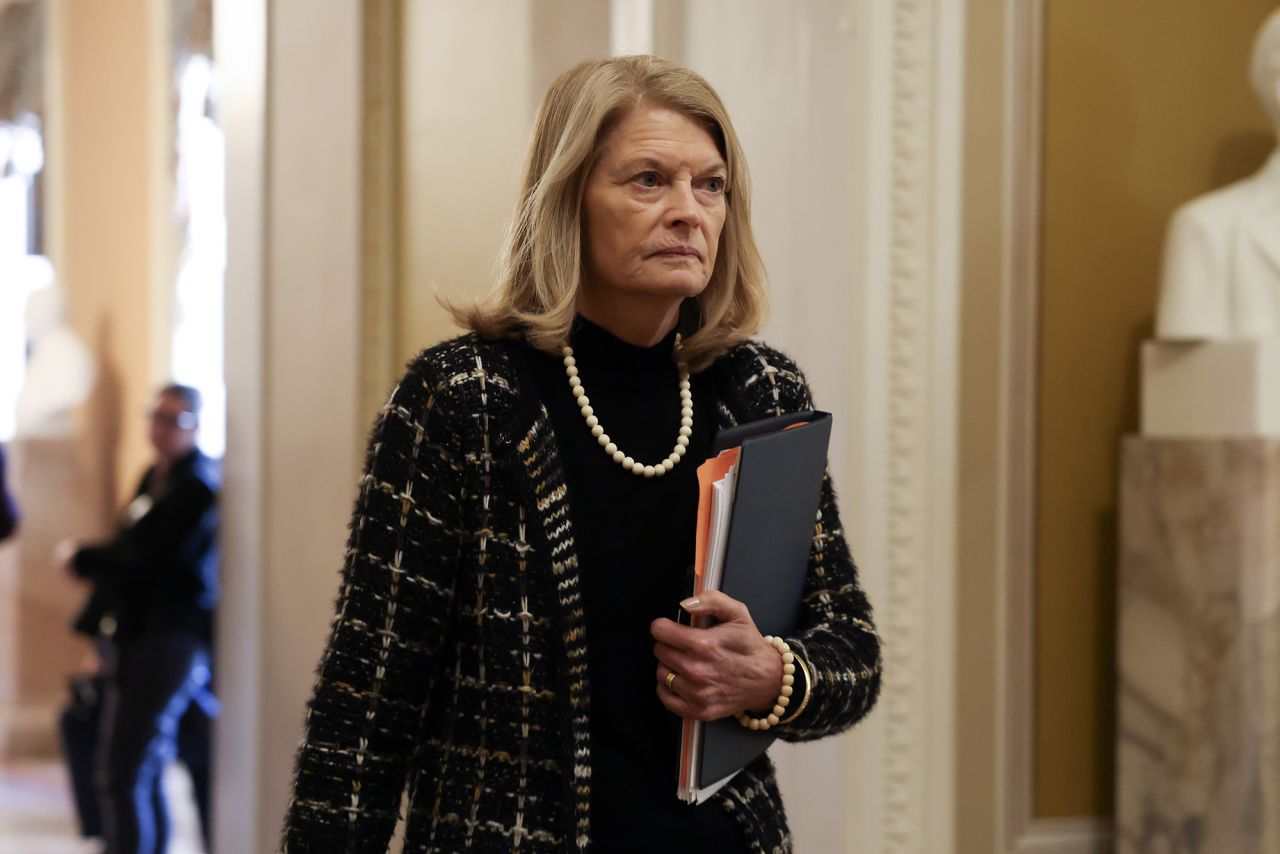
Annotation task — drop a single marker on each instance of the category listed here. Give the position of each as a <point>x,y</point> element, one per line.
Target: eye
<point>648,179</point>
<point>714,184</point>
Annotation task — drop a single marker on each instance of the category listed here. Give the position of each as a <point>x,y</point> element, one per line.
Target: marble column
<point>1198,753</point>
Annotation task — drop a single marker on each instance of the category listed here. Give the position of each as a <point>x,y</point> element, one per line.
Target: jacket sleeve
<point>162,548</point>
<point>375,674</point>
<point>836,637</point>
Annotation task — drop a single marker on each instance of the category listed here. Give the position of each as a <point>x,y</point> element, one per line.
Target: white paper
<point>721,512</point>
<point>722,493</point>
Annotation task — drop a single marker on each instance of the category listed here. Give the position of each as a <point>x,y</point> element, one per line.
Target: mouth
<point>678,252</point>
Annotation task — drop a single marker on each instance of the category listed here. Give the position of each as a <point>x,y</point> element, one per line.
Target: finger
<point>673,658</point>
<point>692,679</point>
<point>673,634</point>
<point>664,677</point>
<point>680,705</point>
<point>681,684</point>
<point>672,701</point>
<point>720,605</point>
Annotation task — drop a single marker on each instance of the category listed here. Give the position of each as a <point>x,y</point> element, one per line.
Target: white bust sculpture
<point>60,370</point>
<point>1222,255</point>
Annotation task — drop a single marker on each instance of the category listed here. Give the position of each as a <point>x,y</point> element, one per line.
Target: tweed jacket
<point>456,668</point>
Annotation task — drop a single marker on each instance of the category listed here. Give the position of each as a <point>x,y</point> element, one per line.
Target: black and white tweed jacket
<point>457,663</point>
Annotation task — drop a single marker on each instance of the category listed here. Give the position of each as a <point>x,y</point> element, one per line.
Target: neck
<point>641,320</point>
<point>1272,166</point>
<point>166,462</point>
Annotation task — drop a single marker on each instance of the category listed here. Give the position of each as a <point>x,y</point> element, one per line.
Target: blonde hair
<point>540,267</point>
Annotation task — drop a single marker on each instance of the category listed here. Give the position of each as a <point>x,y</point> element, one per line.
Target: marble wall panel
<point>1198,753</point>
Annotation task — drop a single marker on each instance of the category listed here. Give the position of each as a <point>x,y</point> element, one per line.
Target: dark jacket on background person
<point>160,572</point>
<point>457,661</point>
<point>8,510</point>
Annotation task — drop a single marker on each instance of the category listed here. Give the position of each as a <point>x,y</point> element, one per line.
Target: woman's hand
<point>720,671</point>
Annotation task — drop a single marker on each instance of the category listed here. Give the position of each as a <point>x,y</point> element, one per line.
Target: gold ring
<point>671,678</point>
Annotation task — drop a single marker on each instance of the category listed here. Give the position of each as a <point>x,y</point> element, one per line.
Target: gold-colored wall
<point>1147,104</point>
<point>977,547</point>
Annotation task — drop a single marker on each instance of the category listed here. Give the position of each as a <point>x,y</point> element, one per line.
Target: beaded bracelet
<point>784,695</point>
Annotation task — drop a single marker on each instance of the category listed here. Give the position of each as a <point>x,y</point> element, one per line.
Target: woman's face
<point>653,207</point>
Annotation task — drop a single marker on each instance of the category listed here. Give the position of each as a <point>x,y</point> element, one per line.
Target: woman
<point>503,643</point>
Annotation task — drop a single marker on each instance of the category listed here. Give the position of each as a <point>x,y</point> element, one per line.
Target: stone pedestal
<point>1198,752</point>
<point>60,495</point>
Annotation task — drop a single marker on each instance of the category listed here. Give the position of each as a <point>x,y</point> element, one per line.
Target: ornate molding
<point>1019,357</point>
<point>904,698</point>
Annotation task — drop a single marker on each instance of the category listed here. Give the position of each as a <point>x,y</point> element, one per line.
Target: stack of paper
<point>716,479</point>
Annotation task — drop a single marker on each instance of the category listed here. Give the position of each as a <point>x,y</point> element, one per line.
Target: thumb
<point>713,603</point>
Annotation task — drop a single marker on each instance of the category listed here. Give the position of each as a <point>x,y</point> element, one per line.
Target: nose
<point>683,209</point>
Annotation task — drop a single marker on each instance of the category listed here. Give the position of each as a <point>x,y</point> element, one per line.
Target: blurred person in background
<point>154,589</point>
<point>8,509</point>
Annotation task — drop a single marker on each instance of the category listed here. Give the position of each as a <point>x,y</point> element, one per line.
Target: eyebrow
<point>654,163</point>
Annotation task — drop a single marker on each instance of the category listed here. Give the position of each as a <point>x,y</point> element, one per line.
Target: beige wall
<point>104,64</point>
<point>461,150</point>
<point>1146,105</point>
<point>292,113</point>
<point>101,212</point>
<point>466,118</point>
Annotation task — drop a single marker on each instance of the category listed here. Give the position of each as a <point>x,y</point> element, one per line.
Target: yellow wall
<point>101,212</point>
<point>1147,104</point>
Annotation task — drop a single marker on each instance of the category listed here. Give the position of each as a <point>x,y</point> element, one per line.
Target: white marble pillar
<point>292,111</point>
<point>1198,754</point>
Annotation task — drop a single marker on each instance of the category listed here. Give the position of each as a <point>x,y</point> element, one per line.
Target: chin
<point>676,286</point>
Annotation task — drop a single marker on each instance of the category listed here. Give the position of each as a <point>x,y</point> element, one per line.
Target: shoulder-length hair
<point>540,267</point>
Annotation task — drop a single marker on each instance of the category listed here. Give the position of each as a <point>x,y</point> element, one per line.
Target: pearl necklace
<point>610,448</point>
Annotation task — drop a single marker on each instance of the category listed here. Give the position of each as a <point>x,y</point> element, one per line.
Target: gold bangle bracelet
<point>808,692</point>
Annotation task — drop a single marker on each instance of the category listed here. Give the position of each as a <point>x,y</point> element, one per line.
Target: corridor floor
<point>36,815</point>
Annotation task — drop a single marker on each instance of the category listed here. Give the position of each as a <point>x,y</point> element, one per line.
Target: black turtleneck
<point>634,539</point>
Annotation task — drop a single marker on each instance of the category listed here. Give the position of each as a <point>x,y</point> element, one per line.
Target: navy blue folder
<point>775,508</point>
